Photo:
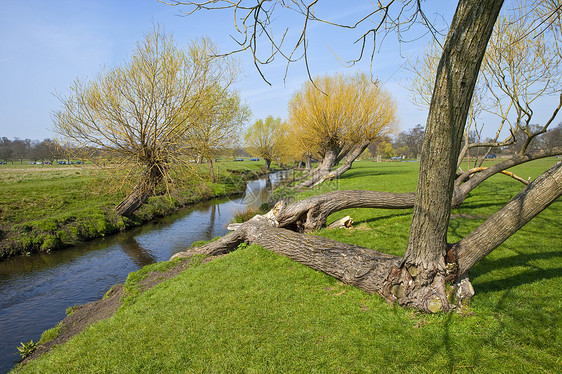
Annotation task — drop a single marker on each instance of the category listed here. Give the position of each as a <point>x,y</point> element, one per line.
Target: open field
<point>254,311</point>
<point>46,207</point>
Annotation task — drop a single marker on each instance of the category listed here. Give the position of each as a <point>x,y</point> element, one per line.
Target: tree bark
<point>328,163</point>
<point>144,189</point>
<point>267,163</point>
<point>350,157</point>
<point>505,222</point>
<point>211,170</point>
<point>456,77</point>
<point>311,214</point>
<point>308,162</point>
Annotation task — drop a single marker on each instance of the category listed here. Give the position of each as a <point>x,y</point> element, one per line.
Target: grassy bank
<point>47,207</point>
<point>254,311</point>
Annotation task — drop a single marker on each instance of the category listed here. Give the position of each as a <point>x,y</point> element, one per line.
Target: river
<point>36,290</point>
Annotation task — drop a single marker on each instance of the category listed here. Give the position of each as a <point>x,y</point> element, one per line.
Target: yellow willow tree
<point>140,113</point>
<point>263,139</point>
<point>337,116</point>
<point>218,126</point>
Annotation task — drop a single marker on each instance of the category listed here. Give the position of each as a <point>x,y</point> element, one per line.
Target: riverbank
<point>254,311</point>
<point>82,316</point>
<point>50,207</point>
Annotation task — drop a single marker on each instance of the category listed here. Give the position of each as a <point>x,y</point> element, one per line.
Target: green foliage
<point>50,242</point>
<point>132,286</point>
<point>26,349</point>
<point>71,310</point>
<point>244,215</point>
<point>50,334</point>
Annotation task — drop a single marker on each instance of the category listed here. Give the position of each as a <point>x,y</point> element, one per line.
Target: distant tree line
<point>18,150</point>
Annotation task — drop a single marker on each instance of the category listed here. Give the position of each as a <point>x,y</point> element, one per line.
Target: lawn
<point>253,311</point>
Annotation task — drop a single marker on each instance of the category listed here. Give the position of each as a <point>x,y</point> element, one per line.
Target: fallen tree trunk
<point>312,213</point>
<point>388,275</point>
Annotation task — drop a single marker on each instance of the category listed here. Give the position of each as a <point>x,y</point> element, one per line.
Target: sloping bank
<point>68,229</point>
<point>80,317</point>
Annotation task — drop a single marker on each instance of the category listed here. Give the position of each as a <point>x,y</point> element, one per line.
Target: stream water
<point>35,291</point>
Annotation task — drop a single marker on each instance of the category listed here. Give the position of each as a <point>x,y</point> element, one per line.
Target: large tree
<point>337,116</point>
<point>421,277</point>
<point>140,113</point>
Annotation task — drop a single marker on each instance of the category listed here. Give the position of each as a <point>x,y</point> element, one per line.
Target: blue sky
<point>45,45</point>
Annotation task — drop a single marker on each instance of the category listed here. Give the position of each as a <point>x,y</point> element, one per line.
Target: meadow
<point>253,311</point>
<point>48,207</point>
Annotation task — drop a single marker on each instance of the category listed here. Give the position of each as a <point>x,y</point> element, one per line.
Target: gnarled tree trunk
<point>144,189</point>
<point>457,73</point>
<point>328,162</point>
<point>348,160</point>
<point>348,153</point>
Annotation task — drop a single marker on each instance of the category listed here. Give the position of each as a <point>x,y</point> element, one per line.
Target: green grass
<point>46,207</point>
<point>256,312</point>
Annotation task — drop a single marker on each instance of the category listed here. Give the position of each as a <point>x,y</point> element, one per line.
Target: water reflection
<point>140,256</point>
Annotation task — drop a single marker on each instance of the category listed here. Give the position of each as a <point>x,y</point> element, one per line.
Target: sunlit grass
<point>254,311</point>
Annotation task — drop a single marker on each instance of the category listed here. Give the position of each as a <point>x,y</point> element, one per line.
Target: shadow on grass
<point>526,277</point>
<point>407,213</point>
<point>357,173</point>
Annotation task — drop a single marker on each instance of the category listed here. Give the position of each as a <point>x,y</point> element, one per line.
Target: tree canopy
<point>148,112</point>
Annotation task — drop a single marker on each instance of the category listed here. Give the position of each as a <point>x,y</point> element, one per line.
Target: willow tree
<point>433,274</point>
<point>263,139</point>
<point>338,116</point>
<point>141,112</point>
<point>218,126</point>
